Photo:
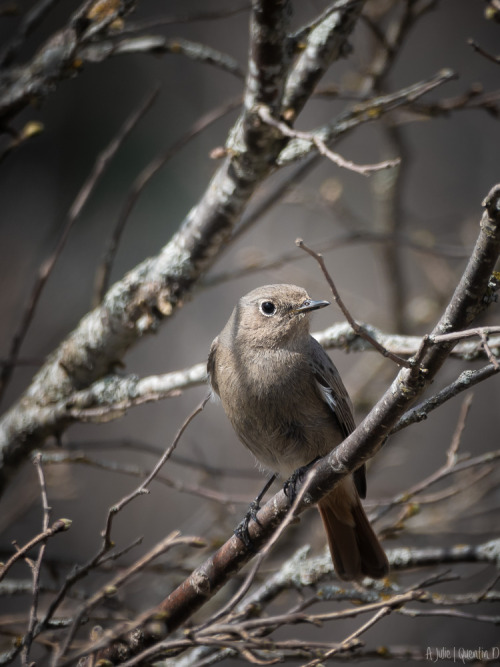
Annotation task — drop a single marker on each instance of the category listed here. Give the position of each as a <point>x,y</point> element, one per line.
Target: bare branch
<point>364,169</point>
<point>483,52</point>
<point>158,45</point>
<point>357,328</point>
<point>30,21</point>
<point>172,540</point>
<point>57,527</point>
<point>325,43</point>
<point>36,567</point>
<point>142,488</point>
<point>361,113</point>
<point>57,60</point>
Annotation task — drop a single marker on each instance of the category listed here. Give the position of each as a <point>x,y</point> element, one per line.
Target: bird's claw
<point>241,530</point>
<point>295,479</point>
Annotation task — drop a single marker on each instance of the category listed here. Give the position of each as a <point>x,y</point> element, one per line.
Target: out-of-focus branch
<point>487,552</point>
<point>258,264</point>
<point>57,527</point>
<point>189,17</point>
<point>57,60</point>
<point>159,45</point>
<point>89,37</point>
<point>486,54</point>
<point>30,21</point>
<point>81,458</point>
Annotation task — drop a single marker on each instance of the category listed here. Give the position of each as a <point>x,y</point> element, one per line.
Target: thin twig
<point>350,238</point>
<point>57,527</point>
<point>172,540</point>
<point>358,329</point>
<point>448,468</point>
<point>466,380</point>
<point>36,567</point>
<point>107,543</point>
<point>287,131</point>
<point>483,52</point>
<point>467,333</point>
<point>80,457</point>
<point>148,448</point>
<point>143,487</point>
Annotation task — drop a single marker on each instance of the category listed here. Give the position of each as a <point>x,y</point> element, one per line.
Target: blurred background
<point>450,162</point>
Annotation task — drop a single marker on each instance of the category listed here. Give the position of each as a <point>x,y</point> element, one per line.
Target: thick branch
<point>268,58</point>
<point>326,42</point>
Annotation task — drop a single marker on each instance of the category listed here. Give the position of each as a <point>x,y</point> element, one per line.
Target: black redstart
<point>288,405</point>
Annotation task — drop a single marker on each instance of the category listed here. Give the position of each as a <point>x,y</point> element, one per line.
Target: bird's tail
<point>355,549</point>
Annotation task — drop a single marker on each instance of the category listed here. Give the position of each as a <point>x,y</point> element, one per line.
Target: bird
<point>288,405</point>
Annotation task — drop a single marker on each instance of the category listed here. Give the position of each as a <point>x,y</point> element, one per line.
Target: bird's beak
<point>309,304</point>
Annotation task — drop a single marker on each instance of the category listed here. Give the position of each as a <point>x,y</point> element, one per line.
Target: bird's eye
<point>267,308</point>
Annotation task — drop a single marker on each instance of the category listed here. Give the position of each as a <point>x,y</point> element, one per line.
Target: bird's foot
<point>296,479</point>
<point>241,530</point>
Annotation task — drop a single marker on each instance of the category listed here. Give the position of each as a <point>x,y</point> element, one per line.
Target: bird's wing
<point>335,395</point>
<point>211,366</point>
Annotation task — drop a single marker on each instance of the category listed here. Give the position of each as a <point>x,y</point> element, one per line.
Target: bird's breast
<point>276,410</point>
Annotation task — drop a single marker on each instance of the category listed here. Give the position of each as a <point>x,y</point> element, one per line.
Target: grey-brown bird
<point>288,405</point>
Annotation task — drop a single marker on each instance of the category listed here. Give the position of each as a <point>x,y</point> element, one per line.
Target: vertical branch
<point>268,57</point>
<point>36,567</point>
<point>388,220</point>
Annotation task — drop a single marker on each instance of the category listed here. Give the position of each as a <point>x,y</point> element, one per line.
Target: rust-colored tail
<point>355,549</point>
